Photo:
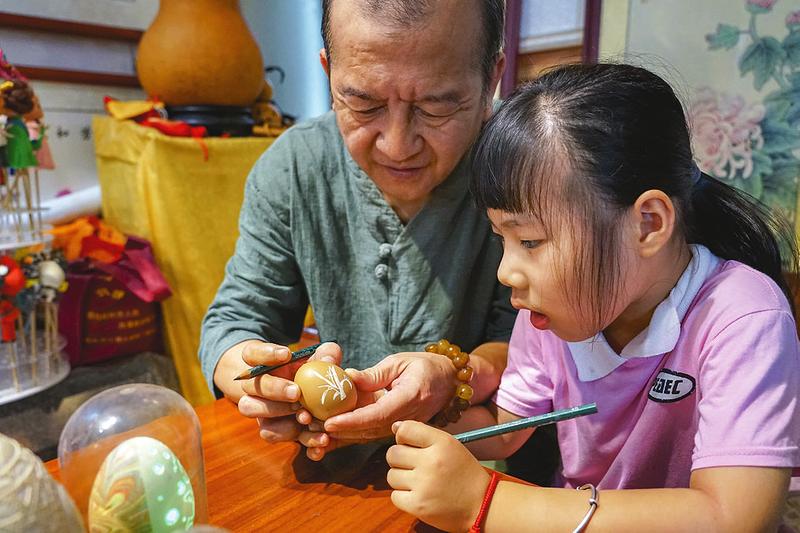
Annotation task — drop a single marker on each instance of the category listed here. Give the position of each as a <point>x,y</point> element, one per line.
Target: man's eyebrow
<point>356,93</point>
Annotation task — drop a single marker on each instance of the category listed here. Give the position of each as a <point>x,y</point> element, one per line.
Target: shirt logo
<point>670,386</point>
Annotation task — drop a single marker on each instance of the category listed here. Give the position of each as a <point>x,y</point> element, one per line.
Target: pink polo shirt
<point>725,395</point>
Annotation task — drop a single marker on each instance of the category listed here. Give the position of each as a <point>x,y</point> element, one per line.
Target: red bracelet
<point>487,499</point>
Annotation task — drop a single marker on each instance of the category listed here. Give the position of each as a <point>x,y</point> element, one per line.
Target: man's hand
<point>273,399</point>
<point>418,385</point>
<point>320,445</point>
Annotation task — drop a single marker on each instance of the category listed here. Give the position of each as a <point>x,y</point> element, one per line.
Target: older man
<point>364,213</point>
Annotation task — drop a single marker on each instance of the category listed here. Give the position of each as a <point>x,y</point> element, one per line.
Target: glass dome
<point>131,457</point>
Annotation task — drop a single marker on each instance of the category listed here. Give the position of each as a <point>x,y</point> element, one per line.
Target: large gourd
<point>200,52</point>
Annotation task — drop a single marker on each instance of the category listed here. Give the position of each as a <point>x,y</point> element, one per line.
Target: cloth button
<point>385,250</point>
<point>381,271</point>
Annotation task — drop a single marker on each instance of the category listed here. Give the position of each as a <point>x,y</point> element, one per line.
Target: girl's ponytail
<point>734,225</point>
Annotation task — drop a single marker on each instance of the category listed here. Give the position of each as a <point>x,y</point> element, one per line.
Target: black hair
<point>408,13</point>
<point>591,139</point>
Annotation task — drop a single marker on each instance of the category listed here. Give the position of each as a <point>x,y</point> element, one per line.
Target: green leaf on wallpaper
<point>761,57</point>
<point>791,44</point>
<point>753,185</point>
<point>778,106</point>
<point>786,171</point>
<point>785,103</point>
<point>780,189</point>
<point>726,37</point>
<point>793,117</point>
<point>779,136</point>
<point>762,167</point>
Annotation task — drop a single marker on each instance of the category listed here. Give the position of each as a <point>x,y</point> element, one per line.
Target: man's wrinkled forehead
<point>398,18</point>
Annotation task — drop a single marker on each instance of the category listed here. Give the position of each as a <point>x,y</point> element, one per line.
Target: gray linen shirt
<point>315,229</point>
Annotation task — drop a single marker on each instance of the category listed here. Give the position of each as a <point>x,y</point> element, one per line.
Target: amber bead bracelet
<point>463,393</point>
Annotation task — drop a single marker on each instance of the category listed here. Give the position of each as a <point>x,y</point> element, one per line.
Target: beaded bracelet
<point>463,393</point>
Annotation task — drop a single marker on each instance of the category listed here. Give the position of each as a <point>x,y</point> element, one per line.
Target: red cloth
<point>111,310</point>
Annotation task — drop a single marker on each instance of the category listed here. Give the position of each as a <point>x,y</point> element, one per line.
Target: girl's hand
<point>435,477</point>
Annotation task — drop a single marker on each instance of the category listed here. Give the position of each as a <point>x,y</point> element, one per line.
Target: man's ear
<point>323,60</point>
<point>653,222</point>
<point>497,74</point>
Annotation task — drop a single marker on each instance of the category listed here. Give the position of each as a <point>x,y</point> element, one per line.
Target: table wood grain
<point>256,486</point>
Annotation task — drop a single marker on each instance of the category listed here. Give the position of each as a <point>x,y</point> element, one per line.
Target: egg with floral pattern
<point>326,390</point>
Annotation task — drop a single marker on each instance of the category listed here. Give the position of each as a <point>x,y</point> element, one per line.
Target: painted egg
<point>141,486</point>
<point>326,389</point>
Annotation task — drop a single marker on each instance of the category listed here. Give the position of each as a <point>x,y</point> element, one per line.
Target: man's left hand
<point>418,385</point>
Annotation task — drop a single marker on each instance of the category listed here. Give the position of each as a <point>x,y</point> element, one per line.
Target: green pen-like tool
<point>263,369</point>
<point>524,423</point>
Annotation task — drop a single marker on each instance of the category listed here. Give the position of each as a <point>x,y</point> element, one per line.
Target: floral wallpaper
<point>754,145</point>
<point>736,65</point>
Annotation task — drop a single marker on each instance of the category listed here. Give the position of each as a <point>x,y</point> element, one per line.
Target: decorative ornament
<point>19,148</point>
<point>51,279</point>
<point>200,52</point>
<point>30,499</point>
<point>141,486</point>
<point>131,458</point>
<point>326,389</point>
<point>12,278</point>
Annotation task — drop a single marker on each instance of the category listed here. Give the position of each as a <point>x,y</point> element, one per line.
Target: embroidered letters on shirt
<point>671,386</point>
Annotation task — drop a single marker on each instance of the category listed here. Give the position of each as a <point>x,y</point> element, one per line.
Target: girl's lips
<point>539,321</point>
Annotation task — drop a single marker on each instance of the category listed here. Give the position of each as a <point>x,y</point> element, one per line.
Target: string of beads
<point>463,391</point>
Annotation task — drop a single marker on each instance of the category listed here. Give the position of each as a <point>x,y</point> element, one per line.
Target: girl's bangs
<point>518,167</point>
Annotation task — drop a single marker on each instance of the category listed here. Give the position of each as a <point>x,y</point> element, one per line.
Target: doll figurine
<point>17,100</point>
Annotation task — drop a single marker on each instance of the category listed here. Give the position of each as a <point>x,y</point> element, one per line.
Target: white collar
<point>595,358</point>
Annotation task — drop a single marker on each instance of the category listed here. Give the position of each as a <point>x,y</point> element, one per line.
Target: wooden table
<point>256,486</point>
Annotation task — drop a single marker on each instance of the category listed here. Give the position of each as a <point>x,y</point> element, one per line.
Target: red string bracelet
<point>487,500</point>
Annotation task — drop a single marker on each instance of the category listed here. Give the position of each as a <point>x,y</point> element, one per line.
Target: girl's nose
<point>509,275</point>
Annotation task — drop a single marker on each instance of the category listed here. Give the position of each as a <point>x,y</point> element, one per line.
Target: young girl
<point>644,285</point>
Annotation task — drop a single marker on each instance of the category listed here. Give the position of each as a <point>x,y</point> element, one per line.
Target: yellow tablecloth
<point>160,188</point>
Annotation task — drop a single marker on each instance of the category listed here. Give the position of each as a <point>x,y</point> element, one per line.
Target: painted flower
<point>725,131</point>
<point>334,385</point>
<point>793,20</point>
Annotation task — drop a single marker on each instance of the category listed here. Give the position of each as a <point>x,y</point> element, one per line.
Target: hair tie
<point>697,174</point>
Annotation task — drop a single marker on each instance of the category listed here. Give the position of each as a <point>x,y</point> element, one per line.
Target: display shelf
<point>33,374</point>
<point>30,282</point>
